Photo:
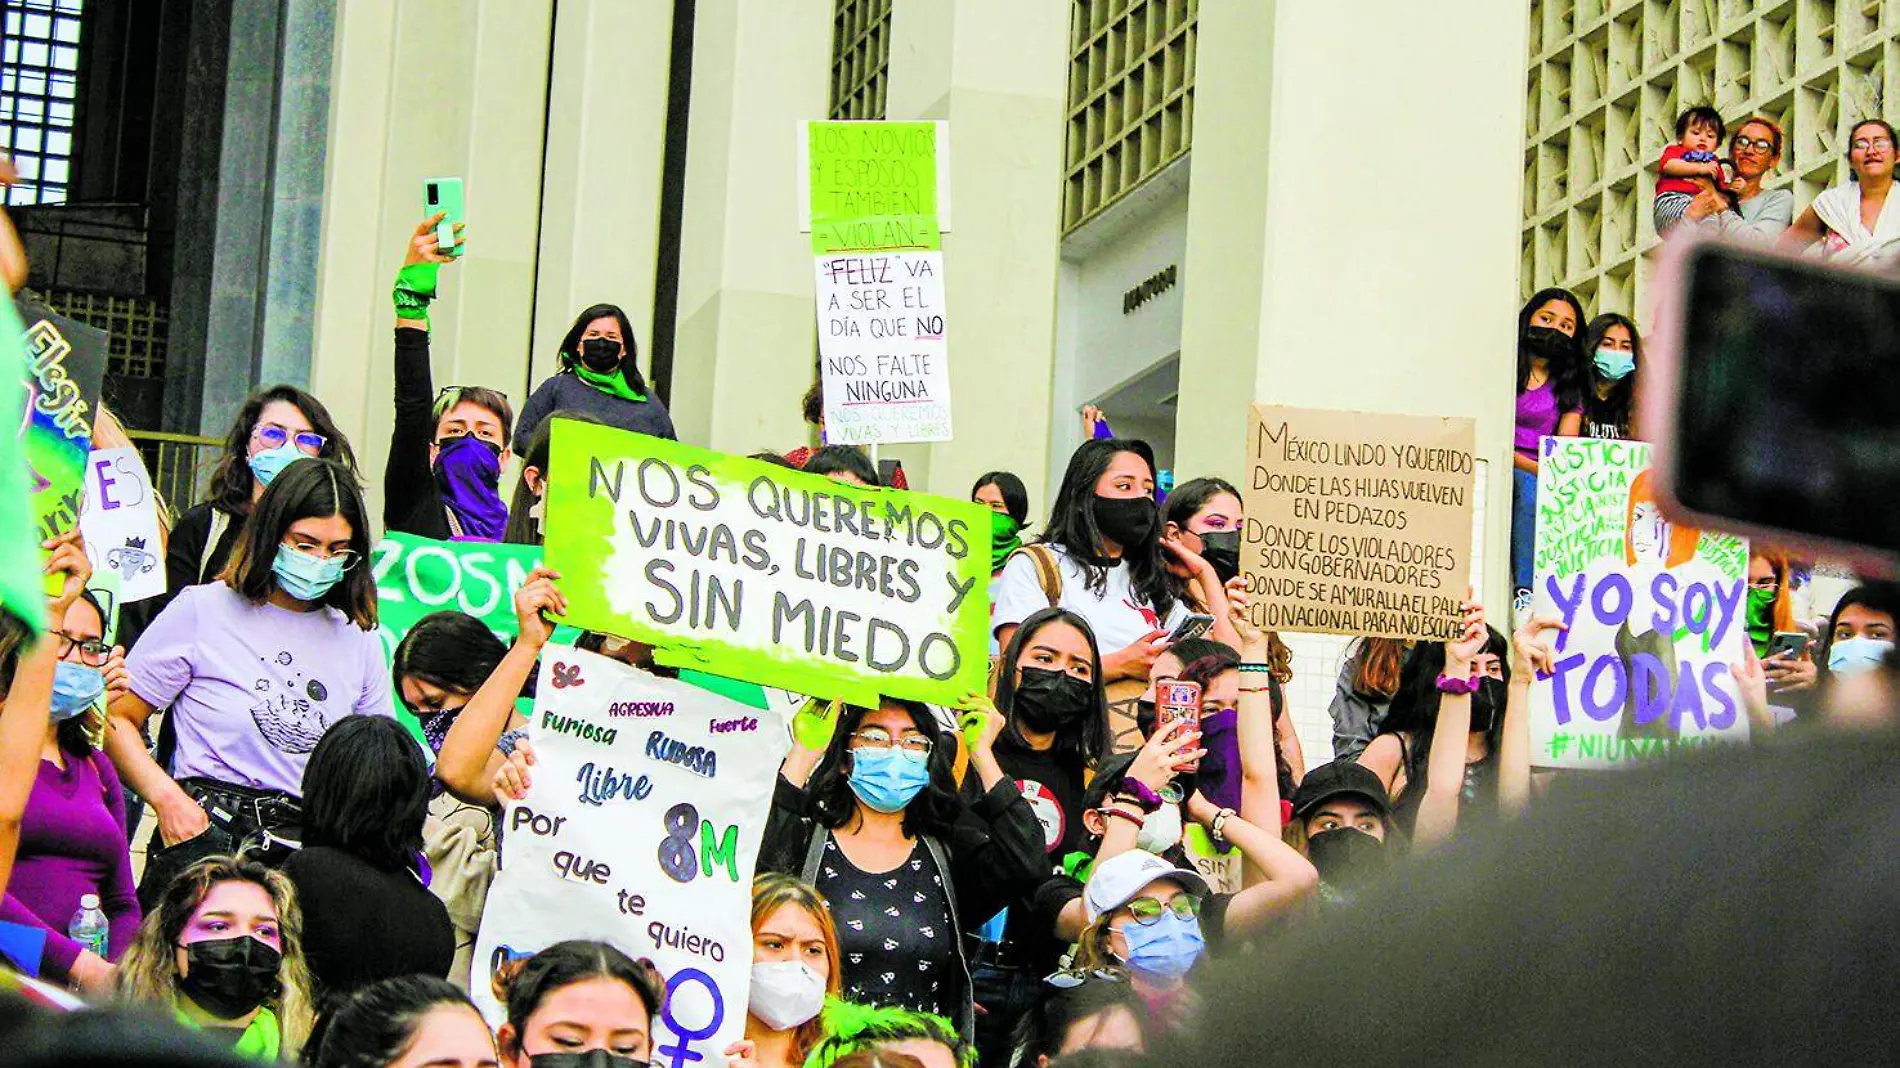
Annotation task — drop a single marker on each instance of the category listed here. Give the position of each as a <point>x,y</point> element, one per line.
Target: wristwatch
<point>1141,794</point>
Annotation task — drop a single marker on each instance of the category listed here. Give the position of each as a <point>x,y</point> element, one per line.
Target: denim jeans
<point>1523,528</point>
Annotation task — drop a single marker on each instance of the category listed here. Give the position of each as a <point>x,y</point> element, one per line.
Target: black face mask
<point>1049,701</point>
<point>593,1058</point>
<point>1487,704</point>
<point>601,354</point>
<point>1126,521</point>
<point>228,977</point>
<point>1221,550</point>
<point>1549,343</point>
<point>1347,858</point>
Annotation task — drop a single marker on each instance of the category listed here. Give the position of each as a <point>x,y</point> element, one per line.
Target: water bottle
<point>89,927</point>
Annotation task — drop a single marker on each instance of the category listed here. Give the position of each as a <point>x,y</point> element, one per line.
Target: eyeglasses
<point>879,738</point>
<point>1862,144</point>
<point>92,652</point>
<point>1764,584</point>
<point>1147,910</point>
<point>344,558</point>
<point>309,442</point>
<point>1759,144</point>
<point>1070,978</point>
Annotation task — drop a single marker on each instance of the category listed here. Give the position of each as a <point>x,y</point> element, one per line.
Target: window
<point>860,58</point>
<point>39,91</point>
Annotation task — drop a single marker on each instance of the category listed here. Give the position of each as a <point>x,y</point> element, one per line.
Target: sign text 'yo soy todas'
<point>752,571</point>
<point>1357,523</point>
<point>641,829</point>
<point>1653,613</point>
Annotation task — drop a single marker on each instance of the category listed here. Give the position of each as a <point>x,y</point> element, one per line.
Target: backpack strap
<point>1048,573</point>
<point>815,853</point>
<point>220,522</point>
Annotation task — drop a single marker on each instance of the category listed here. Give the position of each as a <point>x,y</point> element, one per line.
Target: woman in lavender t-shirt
<point>253,668</point>
<point>1549,402</point>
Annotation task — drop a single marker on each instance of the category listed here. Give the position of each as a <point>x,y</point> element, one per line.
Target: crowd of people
<point>1131,798</point>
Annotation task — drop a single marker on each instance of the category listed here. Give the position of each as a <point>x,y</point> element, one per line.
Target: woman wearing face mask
<point>1101,556</point>
<point>1610,377</point>
<point>222,950</point>
<point>415,1021</point>
<point>1549,402</point>
<point>72,838</point>
<point>599,376</point>
<point>1056,732</point>
<point>1771,612</point>
<point>866,810</point>
<point>1438,753</point>
<point>581,1004</point>
<point>1008,501</point>
<point>446,450</point>
<point>1860,632</point>
<point>794,968</point>
<point>527,512</point>
<point>252,669</point>
<point>275,428</point>
<point>1342,822</point>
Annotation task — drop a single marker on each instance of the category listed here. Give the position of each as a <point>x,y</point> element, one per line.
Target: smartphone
<point>1194,626</point>
<point>1791,642</point>
<point>1177,702</point>
<point>1772,397</point>
<point>445,195</point>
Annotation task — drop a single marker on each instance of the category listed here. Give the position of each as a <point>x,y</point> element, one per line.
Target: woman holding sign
<point>867,811</point>
<point>253,669</point>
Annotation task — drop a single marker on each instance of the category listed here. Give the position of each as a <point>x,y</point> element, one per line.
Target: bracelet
<point>1119,814</point>
<point>1456,686</point>
<point>1259,668</point>
<point>1219,823</point>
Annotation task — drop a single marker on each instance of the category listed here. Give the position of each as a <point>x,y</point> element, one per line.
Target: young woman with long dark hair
<point>599,376</point>
<point>1549,402</point>
<point>1612,369</point>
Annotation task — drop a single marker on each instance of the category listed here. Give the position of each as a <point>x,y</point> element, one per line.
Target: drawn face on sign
<point>1652,538</point>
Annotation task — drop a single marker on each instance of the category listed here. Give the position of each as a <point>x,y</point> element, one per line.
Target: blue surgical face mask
<point>1853,656</point>
<point>1615,364</point>
<point>1163,951</point>
<point>270,463</point>
<point>887,779</point>
<point>305,577</point>
<point>75,688</point>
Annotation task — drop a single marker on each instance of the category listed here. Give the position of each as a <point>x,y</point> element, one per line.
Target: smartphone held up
<point>443,196</point>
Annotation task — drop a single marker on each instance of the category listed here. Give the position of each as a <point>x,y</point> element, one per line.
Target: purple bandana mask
<point>468,472</point>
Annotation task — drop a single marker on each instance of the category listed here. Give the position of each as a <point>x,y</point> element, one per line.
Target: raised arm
<point>1445,763</point>
<point>468,760</point>
<point>1530,654</point>
<point>1285,877</point>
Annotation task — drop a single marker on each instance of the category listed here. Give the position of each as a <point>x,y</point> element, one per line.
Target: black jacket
<point>412,503</point>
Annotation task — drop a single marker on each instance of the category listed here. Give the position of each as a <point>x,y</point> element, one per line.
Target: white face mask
<point>1160,830</point>
<point>785,993</point>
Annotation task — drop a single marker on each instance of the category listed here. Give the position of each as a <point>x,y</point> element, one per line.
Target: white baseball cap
<point>1117,880</point>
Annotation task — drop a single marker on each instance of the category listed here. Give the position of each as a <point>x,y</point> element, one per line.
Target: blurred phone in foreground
<point>1772,396</point>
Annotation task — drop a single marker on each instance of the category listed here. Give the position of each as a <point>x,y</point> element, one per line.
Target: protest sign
<point>65,362</point>
<point>885,362</point>
<point>120,521</point>
<point>416,576</point>
<point>1357,523</point>
<point>22,592</point>
<point>641,828</point>
<point>874,185</point>
<point>1654,614</point>
<point>748,570</point>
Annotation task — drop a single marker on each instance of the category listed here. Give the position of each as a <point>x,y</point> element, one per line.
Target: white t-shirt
<point>1116,617</point>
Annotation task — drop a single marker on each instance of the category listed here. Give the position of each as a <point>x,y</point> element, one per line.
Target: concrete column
<point>296,191</point>
<point>1347,253</point>
<point>601,183</point>
<point>746,339</point>
<point>996,70</point>
<point>423,89</point>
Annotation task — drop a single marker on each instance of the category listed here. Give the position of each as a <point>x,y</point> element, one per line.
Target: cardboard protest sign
<point>65,362</point>
<point>1357,523</point>
<point>22,592</point>
<point>120,521</point>
<point>885,361</point>
<point>1654,615</point>
<point>641,828</point>
<point>751,571</point>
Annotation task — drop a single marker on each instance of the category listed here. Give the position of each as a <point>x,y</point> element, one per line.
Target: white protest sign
<point>883,357</point>
<point>120,521</point>
<point>641,829</point>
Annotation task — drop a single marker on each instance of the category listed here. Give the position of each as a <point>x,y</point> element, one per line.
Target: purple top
<point>72,843</point>
<point>1537,415</point>
<point>251,687</point>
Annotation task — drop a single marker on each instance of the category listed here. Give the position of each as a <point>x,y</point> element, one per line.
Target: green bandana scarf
<point>1761,619</point>
<point>612,383</point>
<point>1004,539</point>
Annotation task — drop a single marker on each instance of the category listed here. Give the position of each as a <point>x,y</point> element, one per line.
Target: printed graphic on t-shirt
<point>289,710</point>
<point>1147,613</point>
<point>1048,812</point>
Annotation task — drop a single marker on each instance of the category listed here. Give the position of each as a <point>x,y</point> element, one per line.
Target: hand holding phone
<point>444,196</point>
<point>1788,644</point>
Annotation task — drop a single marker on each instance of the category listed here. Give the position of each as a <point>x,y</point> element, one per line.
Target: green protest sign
<point>21,589</point>
<point>751,571</point>
<point>416,576</point>
<point>873,186</point>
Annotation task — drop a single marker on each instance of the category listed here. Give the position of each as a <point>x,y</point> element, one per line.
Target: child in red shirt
<point>1689,166</point>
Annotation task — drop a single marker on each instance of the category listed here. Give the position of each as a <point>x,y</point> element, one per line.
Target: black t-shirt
<point>362,924</point>
<point>1054,791</point>
<point>895,932</point>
